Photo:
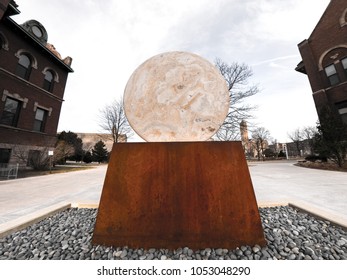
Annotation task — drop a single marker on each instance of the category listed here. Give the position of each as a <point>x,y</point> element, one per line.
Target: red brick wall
<point>22,137</point>
<point>33,94</point>
<point>31,90</point>
<point>9,61</point>
<point>329,32</point>
<point>3,7</point>
<point>327,45</point>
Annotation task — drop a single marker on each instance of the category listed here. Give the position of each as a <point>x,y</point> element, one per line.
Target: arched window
<point>3,42</point>
<point>332,74</point>
<point>343,18</point>
<point>333,62</point>
<point>48,82</point>
<point>23,69</point>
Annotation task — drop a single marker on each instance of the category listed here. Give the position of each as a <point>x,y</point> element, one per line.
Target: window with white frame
<point>332,75</point>
<point>342,109</point>
<point>40,120</point>
<point>344,64</point>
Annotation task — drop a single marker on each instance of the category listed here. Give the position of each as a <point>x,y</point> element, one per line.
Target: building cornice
<point>31,85</point>
<point>38,44</point>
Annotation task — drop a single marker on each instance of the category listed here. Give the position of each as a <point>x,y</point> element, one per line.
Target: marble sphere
<point>176,96</point>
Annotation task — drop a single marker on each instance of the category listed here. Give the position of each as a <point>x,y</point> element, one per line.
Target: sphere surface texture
<point>176,96</point>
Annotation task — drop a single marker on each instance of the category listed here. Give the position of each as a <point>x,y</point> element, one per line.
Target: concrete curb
<point>265,204</point>
<point>85,205</point>
<point>314,211</point>
<point>27,220</point>
<point>320,213</point>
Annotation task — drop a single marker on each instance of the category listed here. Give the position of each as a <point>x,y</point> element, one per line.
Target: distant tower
<point>244,136</point>
<point>244,131</point>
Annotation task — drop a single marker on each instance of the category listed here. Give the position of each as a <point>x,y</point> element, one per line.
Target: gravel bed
<point>290,235</point>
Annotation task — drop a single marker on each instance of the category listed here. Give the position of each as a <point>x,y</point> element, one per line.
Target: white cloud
<point>109,39</point>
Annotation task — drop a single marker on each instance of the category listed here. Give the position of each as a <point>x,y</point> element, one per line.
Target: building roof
<point>301,67</point>
<point>319,23</point>
<point>9,8</point>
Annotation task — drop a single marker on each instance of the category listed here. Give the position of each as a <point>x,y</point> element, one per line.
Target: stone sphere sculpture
<point>176,96</point>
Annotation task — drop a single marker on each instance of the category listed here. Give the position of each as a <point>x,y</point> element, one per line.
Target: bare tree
<point>274,144</point>
<point>309,133</point>
<point>114,121</point>
<point>297,136</point>
<point>237,78</point>
<point>37,159</point>
<point>260,136</point>
<point>20,154</point>
<point>228,132</point>
<point>62,151</point>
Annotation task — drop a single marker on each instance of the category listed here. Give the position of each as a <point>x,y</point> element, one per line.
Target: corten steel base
<point>171,195</point>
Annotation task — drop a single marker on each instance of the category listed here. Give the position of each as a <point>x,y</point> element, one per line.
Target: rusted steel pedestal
<point>171,195</point>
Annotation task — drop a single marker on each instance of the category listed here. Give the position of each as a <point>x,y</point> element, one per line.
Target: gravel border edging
<point>32,218</point>
<point>290,234</point>
<point>319,214</point>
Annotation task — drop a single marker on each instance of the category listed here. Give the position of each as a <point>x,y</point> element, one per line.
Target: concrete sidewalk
<point>320,192</point>
<point>275,183</point>
<point>25,199</point>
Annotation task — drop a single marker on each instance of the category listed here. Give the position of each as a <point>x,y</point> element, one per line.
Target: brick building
<point>252,147</point>
<point>324,59</point>
<point>90,139</point>
<point>33,76</point>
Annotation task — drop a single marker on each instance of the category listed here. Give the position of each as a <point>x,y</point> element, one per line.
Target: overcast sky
<point>109,39</point>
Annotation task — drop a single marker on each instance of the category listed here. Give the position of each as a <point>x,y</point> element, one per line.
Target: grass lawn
<point>69,167</point>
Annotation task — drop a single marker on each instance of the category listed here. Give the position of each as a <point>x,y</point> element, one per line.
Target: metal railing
<point>9,171</point>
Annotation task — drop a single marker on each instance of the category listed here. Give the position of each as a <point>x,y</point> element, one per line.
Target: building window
<point>48,81</point>
<point>343,114</point>
<point>11,112</point>
<point>5,155</point>
<point>344,64</point>
<point>40,120</point>
<point>3,42</point>
<point>33,158</point>
<point>342,109</point>
<point>331,73</point>
<point>23,67</point>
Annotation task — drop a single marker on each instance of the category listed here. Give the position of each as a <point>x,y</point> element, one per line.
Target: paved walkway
<point>274,183</point>
<point>320,191</point>
<point>24,196</point>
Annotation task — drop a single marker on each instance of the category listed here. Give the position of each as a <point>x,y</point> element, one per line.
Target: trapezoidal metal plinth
<point>178,194</point>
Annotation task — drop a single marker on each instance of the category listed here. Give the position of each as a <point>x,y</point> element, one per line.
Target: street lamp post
<point>50,154</point>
